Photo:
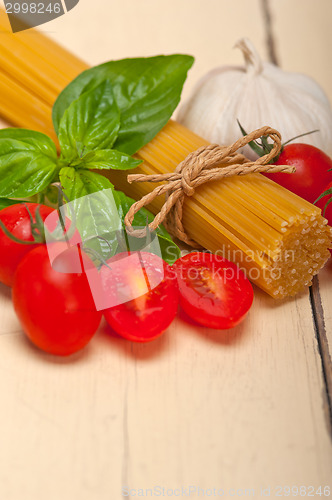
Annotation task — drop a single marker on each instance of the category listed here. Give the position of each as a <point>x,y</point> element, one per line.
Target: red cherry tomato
<point>56,309</point>
<point>213,291</point>
<point>17,220</point>
<point>143,293</point>
<point>311,174</point>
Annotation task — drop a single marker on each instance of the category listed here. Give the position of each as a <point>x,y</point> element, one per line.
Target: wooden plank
<point>234,409</point>
<point>146,28</point>
<point>8,321</point>
<point>321,297</point>
<point>325,287</point>
<point>239,409</point>
<point>269,33</point>
<point>303,28</point>
<point>277,16</point>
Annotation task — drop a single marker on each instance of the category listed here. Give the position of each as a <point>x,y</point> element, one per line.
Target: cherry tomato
<point>213,291</point>
<point>56,309</point>
<point>311,174</point>
<point>17,220</point>
<point>143,293</point>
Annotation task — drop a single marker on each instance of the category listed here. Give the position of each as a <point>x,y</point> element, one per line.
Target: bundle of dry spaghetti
<point>280,239</point>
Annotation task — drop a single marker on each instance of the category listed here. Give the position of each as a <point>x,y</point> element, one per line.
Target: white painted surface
<point>239,409</point>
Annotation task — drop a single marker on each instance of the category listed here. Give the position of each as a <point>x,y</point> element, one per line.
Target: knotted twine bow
<point>208,163</point>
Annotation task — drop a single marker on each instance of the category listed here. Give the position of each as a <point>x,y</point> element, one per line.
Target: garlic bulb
<point>258,94</point>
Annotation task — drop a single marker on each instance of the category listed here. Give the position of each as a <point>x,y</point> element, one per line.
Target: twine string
<point>208,163</point>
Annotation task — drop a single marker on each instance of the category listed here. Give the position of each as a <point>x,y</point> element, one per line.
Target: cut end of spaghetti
<point>277,238</point>
<point>304,250</point>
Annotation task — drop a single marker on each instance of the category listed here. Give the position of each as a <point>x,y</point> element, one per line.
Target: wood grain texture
<point>321,298</point>
<point>322,325</point>
<point>325,286</point>
<point>237,409</point>
<point>270,40</point>
<point>207,30</point>
<point>304,38</point>
<point>234,409</point>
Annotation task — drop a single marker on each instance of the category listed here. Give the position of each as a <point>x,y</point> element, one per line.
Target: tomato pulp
<point>143,293</point>
<point>213,291</point>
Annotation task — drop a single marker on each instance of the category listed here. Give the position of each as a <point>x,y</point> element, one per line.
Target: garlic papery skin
<point>257,94</point>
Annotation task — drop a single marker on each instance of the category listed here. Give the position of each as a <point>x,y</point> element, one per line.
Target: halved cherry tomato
<point>16,218</point>
<point>213,291</point>
<point>54,305</point>
<point>311,174</point>
<point>143,294</point>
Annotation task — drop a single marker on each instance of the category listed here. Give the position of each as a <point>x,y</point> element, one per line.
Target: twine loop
<point>208,163</point>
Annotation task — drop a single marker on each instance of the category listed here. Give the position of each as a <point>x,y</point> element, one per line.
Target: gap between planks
<point>269,37</point>
<point>323,346</point>
<point>314,294</point>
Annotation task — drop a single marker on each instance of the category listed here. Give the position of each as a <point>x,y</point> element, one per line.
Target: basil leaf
<point>170,252</point>
<point>146,90</point>
<point>4,202</point>
<point>100,215</point>
<point>90,122</point>
<point>95,216</point>
<point>80,182</point>
<point>109,159</point>
<point>28,162</point>
<point>39,141</point>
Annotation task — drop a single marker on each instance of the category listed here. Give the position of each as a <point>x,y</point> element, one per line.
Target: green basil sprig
<point>91,122</point>
<point>28,162</point>
<point>170,252</point>
<point>101,118</point>
<point>94,215</point>
<point>108,159</point>
<point>146,91</point>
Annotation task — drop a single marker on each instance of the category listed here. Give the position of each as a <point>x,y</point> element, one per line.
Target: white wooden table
<point>213,411</point>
